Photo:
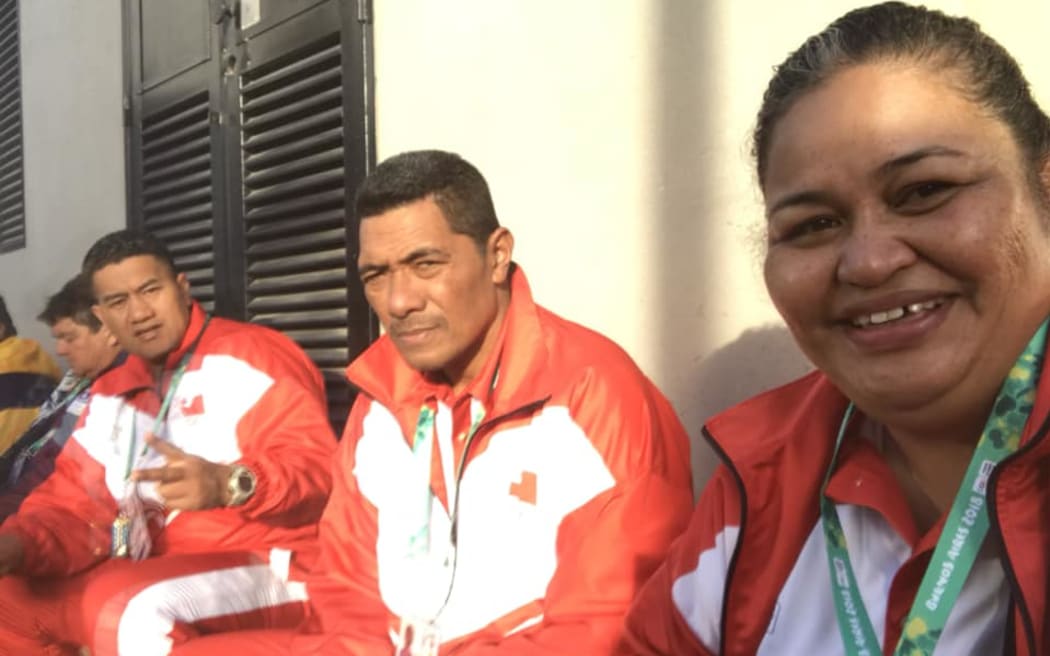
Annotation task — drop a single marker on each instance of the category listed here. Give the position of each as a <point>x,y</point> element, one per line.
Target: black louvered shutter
<point>175,143</point>
<point>12,199</point>
<point>299,240</point>
<point>245,161</point>
<point>176,188</point>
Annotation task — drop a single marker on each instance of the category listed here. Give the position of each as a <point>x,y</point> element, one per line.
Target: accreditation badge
<point>120,536</point>
<point>418,638</point>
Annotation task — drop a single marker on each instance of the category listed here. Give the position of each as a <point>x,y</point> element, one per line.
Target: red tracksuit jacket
<point>750,574</point>
<point>573,488</point>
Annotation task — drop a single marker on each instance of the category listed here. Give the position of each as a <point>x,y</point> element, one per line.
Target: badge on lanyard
<point>121,531</point>
<point>418,638</point>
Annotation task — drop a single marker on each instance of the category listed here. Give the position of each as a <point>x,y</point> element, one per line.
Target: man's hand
<point>186,482</point>
<point>11,552</point>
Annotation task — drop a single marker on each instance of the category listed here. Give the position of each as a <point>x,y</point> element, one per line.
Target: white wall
<point>72,85</point>
<point>615,138</point>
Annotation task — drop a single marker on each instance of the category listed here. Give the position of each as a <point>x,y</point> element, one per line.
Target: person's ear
<point>184,286</point>
<point>111,339</point>
<point>96,310</point>
<point>500,249</point>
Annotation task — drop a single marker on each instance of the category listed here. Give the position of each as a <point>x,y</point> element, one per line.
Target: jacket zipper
<point>454,516</point>
<point>531,407</point>
<point>993,515</point>
<point>731,569</point>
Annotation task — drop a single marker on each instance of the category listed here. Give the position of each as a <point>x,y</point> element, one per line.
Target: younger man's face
<point>144,305</point>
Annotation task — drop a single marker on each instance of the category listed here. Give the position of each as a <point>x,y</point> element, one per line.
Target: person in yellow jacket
<point>27,376</point>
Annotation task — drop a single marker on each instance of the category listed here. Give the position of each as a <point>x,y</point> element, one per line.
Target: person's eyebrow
<point>148,283</point>
<point>810,196</point>
<point>366,268</point>
<point>106,298</point>
<point>801,198</point>
<point>915,156</point>
<point>418,254</point>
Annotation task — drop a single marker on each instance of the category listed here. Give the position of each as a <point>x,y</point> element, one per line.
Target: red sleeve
<point>285,438</point>
<point>690,581</point>
<point>345,590</point>
<point>286,441</point>
<point>65,523</point>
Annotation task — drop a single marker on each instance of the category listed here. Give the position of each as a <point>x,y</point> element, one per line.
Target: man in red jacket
<point>188,497</point>
<point>507,478</point>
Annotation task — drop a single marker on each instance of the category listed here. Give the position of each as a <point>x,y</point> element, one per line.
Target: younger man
<point>187,500</point>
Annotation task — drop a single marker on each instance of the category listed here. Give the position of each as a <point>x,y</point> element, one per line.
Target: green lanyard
<point>964,530</point>
<point>81,385</point>
<point>422,455</point>
<point>165,405</point>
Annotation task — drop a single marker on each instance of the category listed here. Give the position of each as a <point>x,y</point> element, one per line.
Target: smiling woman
<point>898,496</point>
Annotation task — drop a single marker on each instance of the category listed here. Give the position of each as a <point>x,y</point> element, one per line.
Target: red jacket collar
<point>135,372</point>
<point>762,428</point>
<point>521,356</point>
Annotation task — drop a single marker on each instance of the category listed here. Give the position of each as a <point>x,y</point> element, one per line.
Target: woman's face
<point>907,251</point>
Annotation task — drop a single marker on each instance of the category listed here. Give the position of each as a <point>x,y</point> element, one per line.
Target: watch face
<point>245,483</point>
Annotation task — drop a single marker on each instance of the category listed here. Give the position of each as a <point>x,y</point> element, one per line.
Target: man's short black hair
<point>454,184</point>
<point>122,244</point>
<point>74,302</point>
<point>7,326</point>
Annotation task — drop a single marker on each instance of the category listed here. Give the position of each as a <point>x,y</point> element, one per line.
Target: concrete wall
<point>72,88</point>
<point>615,138</point>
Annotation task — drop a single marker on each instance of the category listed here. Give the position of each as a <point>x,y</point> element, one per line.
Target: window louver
<point>295,206</point>
<point>177,190</point>
<point>12,202</point>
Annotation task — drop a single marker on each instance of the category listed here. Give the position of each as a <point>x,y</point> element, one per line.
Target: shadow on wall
<point>701,374</point>
<point>758,360</point>
<point>687,254</point>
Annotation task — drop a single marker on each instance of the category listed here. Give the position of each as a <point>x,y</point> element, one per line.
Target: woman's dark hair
<point>983,69</point>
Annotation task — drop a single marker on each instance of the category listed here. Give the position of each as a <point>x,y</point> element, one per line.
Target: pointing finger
<point>158,474</point>
<point>164,448</point>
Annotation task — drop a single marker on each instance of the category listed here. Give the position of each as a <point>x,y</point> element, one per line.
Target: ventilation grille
<point>12,202</point>
<point>295,206</point>
<point>176,189</point>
